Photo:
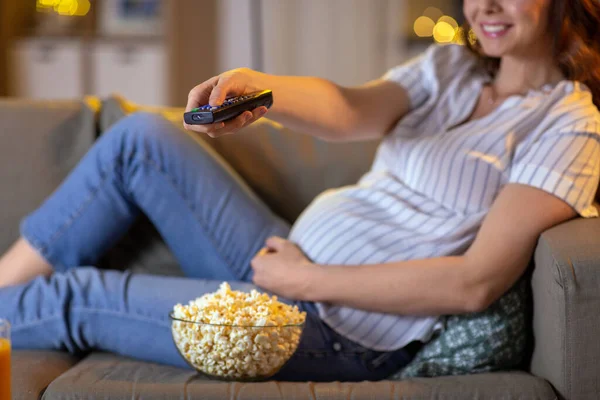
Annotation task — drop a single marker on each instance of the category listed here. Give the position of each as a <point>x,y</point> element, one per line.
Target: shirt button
<point>337,346</point>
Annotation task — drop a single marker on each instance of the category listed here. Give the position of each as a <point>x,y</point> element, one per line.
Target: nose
<point>490,6</point>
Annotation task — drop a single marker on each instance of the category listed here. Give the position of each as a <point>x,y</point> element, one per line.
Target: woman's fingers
<point>231,126</point>
<point>239,122</point>
<point>211,130</point>
<point>223,128</point>
<point>200,94</point>
<point>256,114</point>
<point>264,251</point>
<point>249,118</point>
<point>221,90</point>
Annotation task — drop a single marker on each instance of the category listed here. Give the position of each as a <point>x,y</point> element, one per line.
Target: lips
<point>494,30</point>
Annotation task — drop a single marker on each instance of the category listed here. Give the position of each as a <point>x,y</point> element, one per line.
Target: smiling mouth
<point>495,30</point>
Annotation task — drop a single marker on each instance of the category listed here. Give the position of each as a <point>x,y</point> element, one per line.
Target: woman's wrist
<point>259,81</point>
<point>316,283</point>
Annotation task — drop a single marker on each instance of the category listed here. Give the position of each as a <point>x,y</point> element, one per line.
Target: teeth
<point>494,28</point>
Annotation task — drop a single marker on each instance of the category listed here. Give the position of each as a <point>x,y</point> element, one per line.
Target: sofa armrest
<point>566,308</point>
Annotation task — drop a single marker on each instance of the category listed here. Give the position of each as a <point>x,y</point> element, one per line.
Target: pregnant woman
<point>483,148</point>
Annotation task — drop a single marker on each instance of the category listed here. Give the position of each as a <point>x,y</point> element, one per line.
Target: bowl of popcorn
<point>233,335</point>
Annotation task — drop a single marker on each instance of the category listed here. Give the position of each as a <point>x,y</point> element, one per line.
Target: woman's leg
<point>86,308</point>
<point>210,219</point>
<point>21,263</point>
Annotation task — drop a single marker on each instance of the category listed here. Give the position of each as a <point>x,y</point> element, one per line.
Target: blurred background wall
<point>13,16</point>
<point>154,51</point>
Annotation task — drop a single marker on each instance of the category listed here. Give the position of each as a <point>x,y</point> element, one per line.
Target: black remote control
<point>231,108</point>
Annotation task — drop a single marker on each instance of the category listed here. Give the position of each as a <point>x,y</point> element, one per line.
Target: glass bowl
<point>234,352</point>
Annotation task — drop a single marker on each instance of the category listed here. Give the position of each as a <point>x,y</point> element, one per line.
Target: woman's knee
<point>140,125</point>
<point>139,133</point>
<point>144,121</point>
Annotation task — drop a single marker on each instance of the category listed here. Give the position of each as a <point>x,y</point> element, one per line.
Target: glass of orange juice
<point>4,360</point>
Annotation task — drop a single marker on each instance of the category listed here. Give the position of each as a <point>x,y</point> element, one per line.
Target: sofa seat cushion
<point>32,371</point>
<point>108,376</point>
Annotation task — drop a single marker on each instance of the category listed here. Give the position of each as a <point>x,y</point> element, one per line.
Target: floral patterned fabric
<point>495,339</point>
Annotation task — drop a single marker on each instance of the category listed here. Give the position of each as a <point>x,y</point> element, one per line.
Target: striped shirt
<point>435,178</point>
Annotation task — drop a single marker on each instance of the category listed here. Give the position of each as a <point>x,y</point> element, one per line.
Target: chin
<point>498,50</point>
<point>493,51</point>
<point>498,47</point>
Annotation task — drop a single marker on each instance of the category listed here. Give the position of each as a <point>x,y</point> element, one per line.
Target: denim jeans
<point>211,221</point>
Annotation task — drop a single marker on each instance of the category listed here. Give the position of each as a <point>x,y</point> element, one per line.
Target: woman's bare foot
<point>21,263</point>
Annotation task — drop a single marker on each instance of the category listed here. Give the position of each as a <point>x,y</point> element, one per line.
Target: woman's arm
<point>310,105</point>
<point>335,113</point>
<point>448,285</point>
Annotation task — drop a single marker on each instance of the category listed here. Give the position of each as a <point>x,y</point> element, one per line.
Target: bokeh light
<point>443,32</point>
<point>64,7</point>
<point>448,19</point>
<point>433,12</point>
<point>424,26</point>
<point>443,28</point>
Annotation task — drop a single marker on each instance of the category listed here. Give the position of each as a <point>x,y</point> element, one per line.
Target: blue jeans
<point>211,221</point>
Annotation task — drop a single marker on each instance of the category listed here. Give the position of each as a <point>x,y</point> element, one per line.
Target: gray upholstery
<point>40,143</point>
<point>35,154</point>
<point>32,371</point>
<point>566,314</point>
<point>107,376</point>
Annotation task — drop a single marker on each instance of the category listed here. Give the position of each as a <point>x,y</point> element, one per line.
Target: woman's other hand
<point>282,268</point>
<point>214,92</point>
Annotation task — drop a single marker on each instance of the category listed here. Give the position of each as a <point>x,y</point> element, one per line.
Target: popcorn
<point>247,335</point>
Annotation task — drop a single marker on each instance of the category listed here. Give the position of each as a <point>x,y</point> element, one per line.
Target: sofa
<point>41,141</point>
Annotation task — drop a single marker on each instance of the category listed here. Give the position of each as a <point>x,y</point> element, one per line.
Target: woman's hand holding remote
<point>215,90</point>
<point>307,104</point>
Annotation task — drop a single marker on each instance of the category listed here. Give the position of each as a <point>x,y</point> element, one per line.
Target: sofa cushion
<point>41,143</point>
<point>105,376</point>
<point>32,371</point>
